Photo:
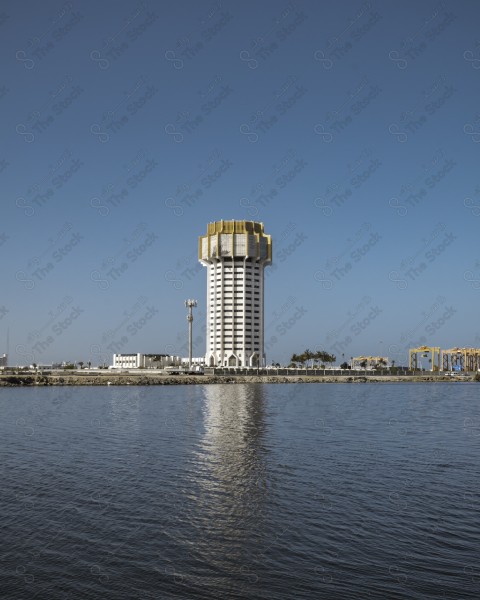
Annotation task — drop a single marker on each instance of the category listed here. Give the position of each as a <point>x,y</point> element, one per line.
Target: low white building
<point>144,361</point>
<point>200,361</point>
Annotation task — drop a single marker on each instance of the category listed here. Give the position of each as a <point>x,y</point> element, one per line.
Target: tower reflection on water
<point>232,480</point>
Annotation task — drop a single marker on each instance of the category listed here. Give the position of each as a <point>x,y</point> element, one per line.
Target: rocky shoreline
<point>25,380</point>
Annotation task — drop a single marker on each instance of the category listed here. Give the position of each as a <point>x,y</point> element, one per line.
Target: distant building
<point>235,254</point>
<point>4,360</point>
<point>195,361</point>
<point>369,362</point>
<point>144,361</point>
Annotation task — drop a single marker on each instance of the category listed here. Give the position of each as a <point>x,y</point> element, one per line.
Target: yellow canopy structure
<point>425,351</point>
<point>461,359</point>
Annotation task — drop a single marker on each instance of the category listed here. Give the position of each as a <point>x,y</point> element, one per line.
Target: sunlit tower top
<point>235,254</point>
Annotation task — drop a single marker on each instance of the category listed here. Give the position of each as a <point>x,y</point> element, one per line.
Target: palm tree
<point>301,359</point>
<point>326,357</point>
<point>308,354</point>
<point>330,358</point>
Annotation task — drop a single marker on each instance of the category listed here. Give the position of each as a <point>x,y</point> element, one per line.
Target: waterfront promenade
<point>109,377</point>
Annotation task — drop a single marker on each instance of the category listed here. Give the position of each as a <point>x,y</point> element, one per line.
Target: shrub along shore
<point>109,378</point>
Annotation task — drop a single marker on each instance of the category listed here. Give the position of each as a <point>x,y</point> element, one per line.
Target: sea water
<point>275,491</point>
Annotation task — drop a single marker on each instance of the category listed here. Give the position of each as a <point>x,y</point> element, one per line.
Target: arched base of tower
<point>231,359</point>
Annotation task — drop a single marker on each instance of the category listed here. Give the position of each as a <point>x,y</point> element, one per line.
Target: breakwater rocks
<point>76,379</point>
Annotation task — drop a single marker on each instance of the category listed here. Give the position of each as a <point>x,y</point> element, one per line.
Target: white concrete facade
<point>144,361</point>
<point>198,361</point>
<point>235,254</point>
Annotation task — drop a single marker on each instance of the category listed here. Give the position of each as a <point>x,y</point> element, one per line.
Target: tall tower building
<point>235,254</point>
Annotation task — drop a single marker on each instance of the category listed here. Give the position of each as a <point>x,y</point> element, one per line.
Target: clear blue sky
<point>351,129</point>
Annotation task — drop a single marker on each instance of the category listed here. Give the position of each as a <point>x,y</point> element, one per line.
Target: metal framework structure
<point>434,351</point>
<point>461,359</point>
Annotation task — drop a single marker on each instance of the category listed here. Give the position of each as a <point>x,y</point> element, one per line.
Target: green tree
<point>330,358</point>
<point>294,360</point>
<point>308,355</point>
<point>325,357</point>
<point>302,359</point>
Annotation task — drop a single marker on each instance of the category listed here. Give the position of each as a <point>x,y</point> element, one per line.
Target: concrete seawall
<point>76,379</point>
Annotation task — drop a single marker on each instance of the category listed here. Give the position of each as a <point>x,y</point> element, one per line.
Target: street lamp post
<point>190,304</point>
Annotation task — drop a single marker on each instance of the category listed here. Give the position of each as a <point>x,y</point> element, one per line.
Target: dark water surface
<point>240,491</point>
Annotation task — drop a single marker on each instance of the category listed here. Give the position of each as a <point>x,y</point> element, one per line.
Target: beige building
<point>369,362</point>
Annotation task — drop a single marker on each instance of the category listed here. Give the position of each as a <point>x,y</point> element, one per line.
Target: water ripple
<point>245,491</point>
